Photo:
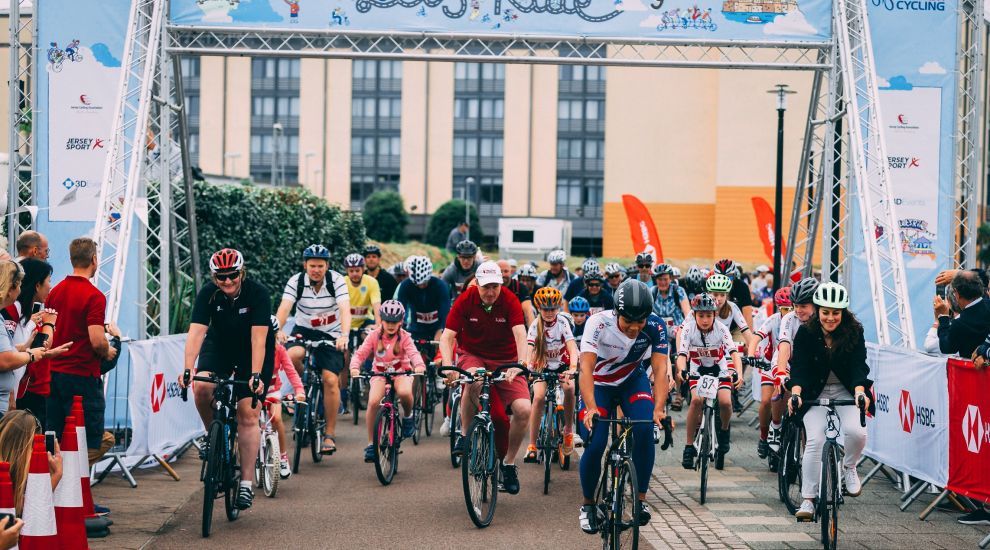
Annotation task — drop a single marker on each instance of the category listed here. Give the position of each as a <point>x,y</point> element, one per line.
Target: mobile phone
<point>36,308</point>
<point>940,290</point>
<point>39,340</point>
<point>6,520</point>
<point>50,441</point>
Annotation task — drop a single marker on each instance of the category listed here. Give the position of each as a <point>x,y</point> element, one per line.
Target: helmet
<point>644,258</point>
<point>832,295</point>
<point>675,273</point>
<point>703,302</point>
<point>392,311</point>
<point>803,291</point>
<point>275,324</point>
<point>783,297</point>
<point>718,283</point>
<point>578,305</point>
<point>695,279</point>
<point>662,269</point>
<point>227,259</point>
<point>556,257</point>
<point>633,300</point>
<point>466,248</point>
<point>725,267</point>
<point>613,268</point>
<point>526,270</point>
<point>354,260</point>
<point>317,251</point>
<point>593,274</point>
<point>547,297</point>
<point>399,270</point>
<point>591,264</point>
<point>371,249</point>
<point>420,269</point>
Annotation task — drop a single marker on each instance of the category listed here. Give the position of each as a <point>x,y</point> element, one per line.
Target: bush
<point>387,214</point>
<point>272,227</point>
<point>446,218</point>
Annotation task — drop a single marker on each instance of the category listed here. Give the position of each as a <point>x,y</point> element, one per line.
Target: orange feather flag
<point>765,226</point>
<point>641,228</point>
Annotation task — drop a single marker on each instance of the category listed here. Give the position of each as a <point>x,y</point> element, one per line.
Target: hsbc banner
<point>161,419</point>
<point>910,430</point>
<point>969,430</point>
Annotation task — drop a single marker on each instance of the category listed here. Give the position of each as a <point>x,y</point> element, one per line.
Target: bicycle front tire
<point>828,500</point>
<point>455,428</point>
<point>417,415</point>
<point>789,468</point>
<point>479,473</point>
<point>626,508</point>
<point>212,477</point>
<point>386,455</point>
<point>232,475</point>
<point>270,465</point>
<point>704,453</point>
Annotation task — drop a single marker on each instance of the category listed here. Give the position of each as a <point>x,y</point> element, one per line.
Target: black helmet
<point>633,300</point>
<point>371,249</point>
<point>803,291</point>
<point>466,248</point>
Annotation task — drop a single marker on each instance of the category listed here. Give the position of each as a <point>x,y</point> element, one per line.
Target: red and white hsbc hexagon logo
<point>906,410</point>
<point>973,429</point>
<point>157,392</point>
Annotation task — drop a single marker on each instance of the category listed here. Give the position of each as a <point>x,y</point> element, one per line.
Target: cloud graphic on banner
<point>651,21</point>
<point>101,53</point>
<point>931,67</point>
<point>898,83</point>
<point>793,23</point>
<point>921,261</point>
<point>256,11</point>
<point>882,82</point>
<point>630,5</point>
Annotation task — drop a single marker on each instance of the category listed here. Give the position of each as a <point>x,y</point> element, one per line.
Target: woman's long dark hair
<point>35,272</point>
<point>845,336</point>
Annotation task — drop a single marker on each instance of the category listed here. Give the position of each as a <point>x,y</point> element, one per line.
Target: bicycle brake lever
<point>668,438</point>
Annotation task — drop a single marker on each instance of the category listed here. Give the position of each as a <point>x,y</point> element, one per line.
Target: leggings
<point>635,397</point>
<point>853,438</point>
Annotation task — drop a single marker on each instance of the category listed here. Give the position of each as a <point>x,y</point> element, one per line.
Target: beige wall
<point>338,124</point>
<point>543,200</point>
<point>516,145</point>
<point>312,102</point>
<point>213,71</point>
<point>414,135</point>
<point>440,173</point>
<point>238,115</point>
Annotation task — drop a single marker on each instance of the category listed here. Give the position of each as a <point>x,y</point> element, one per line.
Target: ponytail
<point>540,343</point>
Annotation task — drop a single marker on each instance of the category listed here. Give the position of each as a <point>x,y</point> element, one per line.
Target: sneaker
<point>976,517</point>
<point>460,447</point>
<point>445,427</point>
<point>762,448</point>
<point>532,456</point>
<point>510,479</point>
<point>656,434</point>
<point>644,515</point>
<point>677,403</point>
<point>588,519</point>
<point>245,498</point>
<point>342,410</point>
<point>100,510</point>
<point>408,427</point>
<point>806,511</point>
<point>369,454</point>
<point>773,438</point>
<point>283,467</point>
<point>568,447</point>
<point>851,481</point>
<point>689,455</point>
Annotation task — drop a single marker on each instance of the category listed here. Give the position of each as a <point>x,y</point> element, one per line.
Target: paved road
<point>341,503</point>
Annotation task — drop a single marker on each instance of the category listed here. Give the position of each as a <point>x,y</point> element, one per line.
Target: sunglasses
<point>647,266</point>
<point>593,285</point>
<point>785,309</point>
<point>550,308</point>
<point>227,276</point>
<point>616,276</point>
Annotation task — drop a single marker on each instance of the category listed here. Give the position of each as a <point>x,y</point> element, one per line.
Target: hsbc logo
<point>911,415</point>
<point>973,429</point>
<point>906,410</point>
<point>160,391</point>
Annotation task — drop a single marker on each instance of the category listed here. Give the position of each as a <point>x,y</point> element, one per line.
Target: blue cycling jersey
<point>426,308</point>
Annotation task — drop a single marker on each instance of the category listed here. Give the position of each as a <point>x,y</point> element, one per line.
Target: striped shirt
<point>319,310</point>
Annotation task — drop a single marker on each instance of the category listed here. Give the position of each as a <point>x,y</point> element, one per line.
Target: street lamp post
<point>276,153</point>
<point>778,204</point>
<point>468,182</point>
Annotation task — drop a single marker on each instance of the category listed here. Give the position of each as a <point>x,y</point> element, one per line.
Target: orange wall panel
<point>685,229</point>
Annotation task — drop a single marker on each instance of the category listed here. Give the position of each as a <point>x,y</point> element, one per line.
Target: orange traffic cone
<point>96,526</point>
<point>68,495</point>
<point>39,531</point>
<point>7,505</point>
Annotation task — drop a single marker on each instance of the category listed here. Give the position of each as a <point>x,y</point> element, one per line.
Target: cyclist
<point>702,346</point>
<point>597,297</point>
<point>579,310</point>
<point>614,275</point>
<point>644,268</point>
<point>670,304</point>
<point>373,268</point>
<point>231,334</point>
<point>390,348</point>
<point>274,397</point>
<point>613,352</point>
<point>740,294</point>
<point>728,313</point>
<point>801,294</point>
<point>426,300</point>
<point>399,272</point>
<point>459,272</point>
<point>366,297</point>
<point>694,283</point>
<point>323,309</point>
<point>830,363</point>
<point>764,345</point>
<point>526,275</point>
<point>557,276</point>
<point>551,342</point>
<point>577,286</point>
<point>487,325</point>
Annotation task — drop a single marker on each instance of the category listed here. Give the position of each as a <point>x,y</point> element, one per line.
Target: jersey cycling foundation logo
<point>973,429</point>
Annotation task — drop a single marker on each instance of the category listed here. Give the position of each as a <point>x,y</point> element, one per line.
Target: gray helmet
<point>633,300</point>
<point>556,257</point>
<point>591,264</point>
<point>703,302</point>
<point>526,270</point>
<point>675,273</point>
<point>466,248</point>
<point>612,268</point>
<point>662,269</point>
<point>803,291</point>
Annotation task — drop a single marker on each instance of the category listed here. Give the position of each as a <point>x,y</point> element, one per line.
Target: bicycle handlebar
<point>214,379</point>
<point>624,421</point>
<point>832,403</point>
<point>547,375</point>
<point>388,373</point>
<point>756,363</point>
<point>313,343</point>
<point>488,373</point>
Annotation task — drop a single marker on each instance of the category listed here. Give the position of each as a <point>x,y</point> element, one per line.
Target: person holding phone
<point>17,431</point>
<point>33,326</point>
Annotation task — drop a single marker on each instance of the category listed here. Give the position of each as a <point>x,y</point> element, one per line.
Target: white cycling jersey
<point>618,356</point>
<point>735,318</point>
<point>556,337</point>
<point>706,349</point>
<point>770,334</point>
<point>789,325</point>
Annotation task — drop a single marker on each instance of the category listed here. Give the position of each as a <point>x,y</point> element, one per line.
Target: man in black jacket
<point>963,334</point>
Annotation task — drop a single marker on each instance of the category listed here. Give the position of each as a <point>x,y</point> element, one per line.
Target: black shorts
<point>325,357</point>
<point>224,364</point>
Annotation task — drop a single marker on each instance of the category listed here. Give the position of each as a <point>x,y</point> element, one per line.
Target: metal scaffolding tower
<point>21,147</point>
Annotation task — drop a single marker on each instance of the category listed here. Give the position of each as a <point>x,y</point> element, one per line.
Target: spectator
<point>29,326</point>
<point>17,431</point>
<point>80,328</point>
<point>31,244</point>
<point>373,268</point>
<point>963,334</point>
<point>759,281</point>
<point>457,234</point>
<point>457,273</point>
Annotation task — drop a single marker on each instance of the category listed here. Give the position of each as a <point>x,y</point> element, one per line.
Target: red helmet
<point>782,297</point>
<point>725,267</point>
<point>227,259</point>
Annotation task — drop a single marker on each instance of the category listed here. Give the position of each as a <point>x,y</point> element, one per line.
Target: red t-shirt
<point>486,334</point>
<point>79,305</point>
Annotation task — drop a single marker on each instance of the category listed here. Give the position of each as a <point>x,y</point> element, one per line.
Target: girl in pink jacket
<point>274,398</point>
<point>390,348</point>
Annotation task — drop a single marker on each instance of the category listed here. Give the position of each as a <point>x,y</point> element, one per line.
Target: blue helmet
<point>578,305</point>
<point>316,251</point>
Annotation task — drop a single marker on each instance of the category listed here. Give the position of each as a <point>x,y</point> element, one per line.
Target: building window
<point>190,67</point>
<point>580,141</point>
<point>479,113</point>
<point>275,114</point>
<point>376,121</point>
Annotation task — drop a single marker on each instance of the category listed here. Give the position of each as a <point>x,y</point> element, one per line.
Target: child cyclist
<point>703,345</point>
<point>390,348</point>
<point>727,313</point>
<point>764,346</point>
<point>274,398</point>
<point>549,338</point>
<point>579,308</point>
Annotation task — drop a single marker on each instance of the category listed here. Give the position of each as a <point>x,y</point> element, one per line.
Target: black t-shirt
<point>740,293</point>
<point>387,283</point>
<point>602,300</point>
<point>522,292</point>
<point>579,331</point>
<point>230,322</point>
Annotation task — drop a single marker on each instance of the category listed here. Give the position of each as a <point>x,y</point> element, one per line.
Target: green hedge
<point>388,215</point>
<point>446,218</point>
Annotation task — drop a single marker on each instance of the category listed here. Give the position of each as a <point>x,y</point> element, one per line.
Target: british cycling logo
<point>157,392</point>
<point>910,5</point>
<point>903,123</point>
<point>973,429</point>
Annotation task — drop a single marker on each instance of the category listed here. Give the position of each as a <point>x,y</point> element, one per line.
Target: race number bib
<point>707,387</point>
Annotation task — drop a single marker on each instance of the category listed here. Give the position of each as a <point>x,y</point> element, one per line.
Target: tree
<point>446,218</point>
<point>385,217</point>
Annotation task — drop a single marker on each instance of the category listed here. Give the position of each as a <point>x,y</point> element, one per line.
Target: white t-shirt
<point>556,337</point>
<point>319,310</point>
<point>8,379</point>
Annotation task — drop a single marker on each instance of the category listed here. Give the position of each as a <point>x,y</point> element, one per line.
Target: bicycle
<point>310,423</point>
<point>266,465</point>
<point>454,396</point>
<point>617,503</point>
<point>220,473</point>
<point>388,427</point>
<point>829,488</point>
<point>789,462</point>
<point>357,388</point>
<point>550,439</point>
<point>479,465</point>
<point>425,393</point>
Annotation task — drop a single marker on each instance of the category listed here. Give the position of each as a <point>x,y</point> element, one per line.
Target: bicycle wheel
<point>479,473</point>
<point>828,499</point>
<point>455,428</point>
<point>547,447</point>
<point>211,480</point>
<point>233,477</point>
<point>789,468</point>
<point>270,465</point>
<point>354,393</point>
<point>626,507</point>
<point>300,433</point>
<point>704,453</point>
<point>417,415</point>
<point>385,452</point>
<point>317,423</point>
<point>564,461</point>
<point>429,405</point>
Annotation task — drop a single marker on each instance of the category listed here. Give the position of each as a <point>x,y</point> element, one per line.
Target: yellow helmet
<point>547,298</point>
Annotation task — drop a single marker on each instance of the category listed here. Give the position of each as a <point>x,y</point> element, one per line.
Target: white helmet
<point>420,269</point>
<point>526,270</point>
<point>591,264</point>
<point>613,268</point>
<point>556,257</point>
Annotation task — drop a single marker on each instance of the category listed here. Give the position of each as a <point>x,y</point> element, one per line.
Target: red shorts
<point>501,399</point>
